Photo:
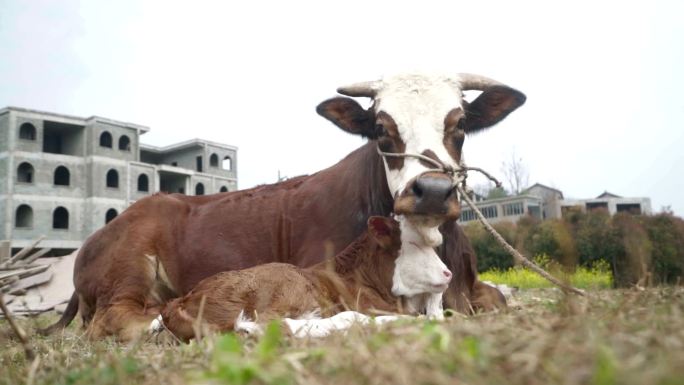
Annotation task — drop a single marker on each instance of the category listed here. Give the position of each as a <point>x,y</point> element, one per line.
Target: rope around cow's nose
<point>458,177</point>
<point>459,174</point>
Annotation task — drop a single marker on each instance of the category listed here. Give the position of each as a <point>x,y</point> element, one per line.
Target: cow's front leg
<point>125,320</point>
<point>433,307</point>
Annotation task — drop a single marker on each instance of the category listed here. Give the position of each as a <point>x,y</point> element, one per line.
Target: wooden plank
<point>12,268</point>
<point>7,282</point>
<point>34,256</point>
<point>29,282</point>
<point>23,252</point>
<point>32,304</point>
<point>22,273</point>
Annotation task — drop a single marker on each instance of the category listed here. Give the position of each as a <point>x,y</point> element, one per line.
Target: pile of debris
<point>32,285</point>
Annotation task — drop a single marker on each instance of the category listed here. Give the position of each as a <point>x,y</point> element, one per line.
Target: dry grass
<point>612,337</point>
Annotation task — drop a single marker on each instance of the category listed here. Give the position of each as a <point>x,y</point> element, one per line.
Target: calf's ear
<point>491,107</point>
<point>348,115</point>
<point>382,229</point>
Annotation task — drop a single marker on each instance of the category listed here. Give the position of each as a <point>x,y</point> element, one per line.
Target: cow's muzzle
<point>432,194</point>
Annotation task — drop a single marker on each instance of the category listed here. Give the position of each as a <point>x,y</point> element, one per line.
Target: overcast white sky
<point>604,108</point>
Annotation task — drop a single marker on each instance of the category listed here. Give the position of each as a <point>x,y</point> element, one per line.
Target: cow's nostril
<point>417,191</point>
<point>447,273</point>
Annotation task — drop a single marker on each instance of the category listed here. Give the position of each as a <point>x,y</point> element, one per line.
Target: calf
<point>391,267</point>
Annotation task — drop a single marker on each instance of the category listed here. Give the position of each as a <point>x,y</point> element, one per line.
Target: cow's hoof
<point>439,316</point>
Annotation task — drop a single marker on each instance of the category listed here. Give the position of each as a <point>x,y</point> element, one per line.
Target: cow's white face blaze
<point>418,107</point>
<point>426,115</point>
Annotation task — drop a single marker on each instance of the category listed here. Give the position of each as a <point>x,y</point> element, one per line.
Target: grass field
<point>610,337</point>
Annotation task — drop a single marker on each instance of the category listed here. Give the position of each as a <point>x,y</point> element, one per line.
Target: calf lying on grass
<point>392,267</point>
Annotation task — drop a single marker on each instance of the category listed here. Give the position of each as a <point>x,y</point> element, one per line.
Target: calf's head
<point>407,257</point>
<point>426,115</point>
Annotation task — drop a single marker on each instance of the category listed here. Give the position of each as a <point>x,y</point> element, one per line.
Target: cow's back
<point>298,222</point>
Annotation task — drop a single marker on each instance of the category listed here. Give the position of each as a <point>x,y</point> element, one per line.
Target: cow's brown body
<point>163,245</point>
<point>359,278</point>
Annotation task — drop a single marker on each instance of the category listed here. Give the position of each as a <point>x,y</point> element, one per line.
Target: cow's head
<point>416,267</point>
<point>427,115</point>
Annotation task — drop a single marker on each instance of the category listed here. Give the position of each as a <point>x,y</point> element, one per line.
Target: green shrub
<point>633,265</point>
<point>596,238</point>
<point>638,249</point>
<point>490,254</point>
<point>666,234</point>
<point>552,238</point>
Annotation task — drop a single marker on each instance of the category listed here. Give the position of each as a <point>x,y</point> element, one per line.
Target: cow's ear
<point>348,115</point>
<point>382,229</point>
<point>492,106</point>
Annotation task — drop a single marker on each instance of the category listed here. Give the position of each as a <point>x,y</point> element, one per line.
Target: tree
<point>489,191</point>
<point>516,174</point>
<point>497,192</point>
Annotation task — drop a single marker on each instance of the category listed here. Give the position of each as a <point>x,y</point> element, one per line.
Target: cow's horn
<point>475,82</point>
<point>367,89</point>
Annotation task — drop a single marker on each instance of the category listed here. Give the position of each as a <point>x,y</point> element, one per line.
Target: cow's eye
<point>461,124</point>
<point>380,129</point>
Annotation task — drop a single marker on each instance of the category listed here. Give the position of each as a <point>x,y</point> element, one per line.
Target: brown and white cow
<point>163,245</point>
<point>388,268</point>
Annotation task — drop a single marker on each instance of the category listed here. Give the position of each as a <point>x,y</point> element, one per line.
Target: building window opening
<point>24,217</point>
<point>597,206</point>
<point>489,212</point>
<point>199,163</point>
<point>62,176</point>
<point>199,189</point>
<point>171,182</point>
<point>112,179</point>
<point>61,138</point>
<point>213,160</point>
<point>27,131</point>
<point>223,189</point>
<point>467,215</point>
<point>536,212</point>
<point>143,183</point>
<point>516,208</point>
<point>111,214</point>
<point>124,143</point>
<point>60,218</point>
<point>631,208</point>
<point>106,140</point>
<point>227,163</point>
<point>25,173</point>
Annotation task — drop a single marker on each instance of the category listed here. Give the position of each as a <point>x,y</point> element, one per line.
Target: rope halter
<point>458,174</point>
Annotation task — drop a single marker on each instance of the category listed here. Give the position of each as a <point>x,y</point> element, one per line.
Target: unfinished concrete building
<point>64,177</point>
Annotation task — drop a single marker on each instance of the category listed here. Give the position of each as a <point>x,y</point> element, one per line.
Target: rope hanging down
<point>459,176</point>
